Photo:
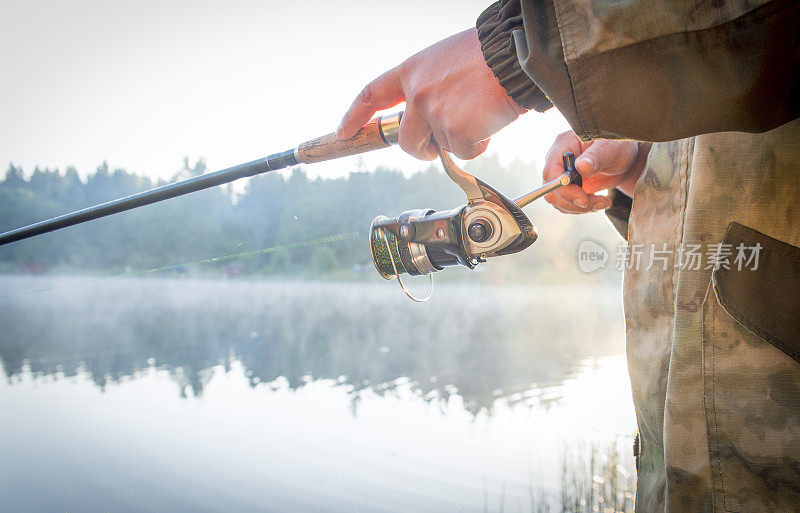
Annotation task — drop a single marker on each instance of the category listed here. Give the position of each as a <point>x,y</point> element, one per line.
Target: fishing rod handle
<point>378,133</point>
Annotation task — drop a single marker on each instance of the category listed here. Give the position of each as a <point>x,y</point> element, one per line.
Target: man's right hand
<point>450,93</point>
<point>603,164</point>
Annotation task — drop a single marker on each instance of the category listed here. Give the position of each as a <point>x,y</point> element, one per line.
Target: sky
<point>144,84</point>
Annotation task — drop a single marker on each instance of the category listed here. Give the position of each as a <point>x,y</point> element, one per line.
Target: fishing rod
<point>380,132</point>
<point>417,242</point>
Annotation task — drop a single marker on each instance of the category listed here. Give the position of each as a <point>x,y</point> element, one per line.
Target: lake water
<point>178,395</point>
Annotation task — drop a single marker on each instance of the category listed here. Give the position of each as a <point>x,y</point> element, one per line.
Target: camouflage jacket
<point>712,306</point>
<point>712,284</point>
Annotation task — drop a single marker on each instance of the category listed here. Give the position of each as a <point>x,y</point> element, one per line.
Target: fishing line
<point>60,358</point>
<point>265,251</point>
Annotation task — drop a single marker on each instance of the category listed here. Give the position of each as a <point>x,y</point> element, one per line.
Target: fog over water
<point>209,395</point>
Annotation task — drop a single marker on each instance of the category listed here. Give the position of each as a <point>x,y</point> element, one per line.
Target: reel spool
<point>394,255</point>
<point>388,252</point>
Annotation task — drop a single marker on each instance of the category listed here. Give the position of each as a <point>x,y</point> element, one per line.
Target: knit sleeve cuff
<point>495,30</point>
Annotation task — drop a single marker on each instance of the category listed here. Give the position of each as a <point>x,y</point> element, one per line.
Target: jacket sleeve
<point>650,70</point>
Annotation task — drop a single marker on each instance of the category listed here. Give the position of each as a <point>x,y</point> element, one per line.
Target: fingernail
<point>601,204</point>
<point>581,203</point>
<point>339,132</point>
<point>589,162</point>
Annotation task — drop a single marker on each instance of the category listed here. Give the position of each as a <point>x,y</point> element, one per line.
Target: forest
<point>285,214</point>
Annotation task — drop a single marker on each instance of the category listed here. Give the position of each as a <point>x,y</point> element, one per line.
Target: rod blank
<point>139,199</point>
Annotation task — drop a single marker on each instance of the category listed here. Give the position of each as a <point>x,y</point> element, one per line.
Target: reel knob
<point>479,230</point>
<point>407,231</point>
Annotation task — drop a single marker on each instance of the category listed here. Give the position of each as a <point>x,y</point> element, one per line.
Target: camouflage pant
<point>712,302</point>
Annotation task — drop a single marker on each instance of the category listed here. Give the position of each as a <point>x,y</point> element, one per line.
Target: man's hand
<point>450,93</point>
<point>603,164</point>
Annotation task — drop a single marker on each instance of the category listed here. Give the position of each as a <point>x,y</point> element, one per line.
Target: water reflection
<point>483,343</point>
<point>194,396</point>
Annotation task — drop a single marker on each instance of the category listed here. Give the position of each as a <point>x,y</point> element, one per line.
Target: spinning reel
<point>424,241</point>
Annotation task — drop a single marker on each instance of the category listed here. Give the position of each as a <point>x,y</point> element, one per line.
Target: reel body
<point>425,241</point>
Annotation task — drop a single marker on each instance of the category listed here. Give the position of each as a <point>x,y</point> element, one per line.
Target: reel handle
<point>569,167</point>
<point>570,175</point>
<point>378,133</point>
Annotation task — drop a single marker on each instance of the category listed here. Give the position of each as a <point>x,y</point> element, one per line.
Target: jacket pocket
<point>764,296</point>
<point>751,375</point>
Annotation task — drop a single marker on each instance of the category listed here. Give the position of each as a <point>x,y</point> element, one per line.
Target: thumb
<point>383,92</point>
<point>605,156</point>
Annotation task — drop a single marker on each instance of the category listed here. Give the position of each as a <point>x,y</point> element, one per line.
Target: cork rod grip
<point>328,147</point>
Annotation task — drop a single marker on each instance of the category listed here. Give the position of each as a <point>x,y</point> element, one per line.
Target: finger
<point>606,157</point>
<point>565,211</point>
<point>465,143</point>
<point>554,167</point>
<point>573,194</point>
<point>594,204</point>
<point>599,182</point>
<point>554,161</point>
<point>581,199</point>
<point>431,151</point>
<point>598,203</point>
<point>564,206</point>
<point>469,151</point>
<point>415,136</point>
<point>383,92</point>
<point>440,139</point>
